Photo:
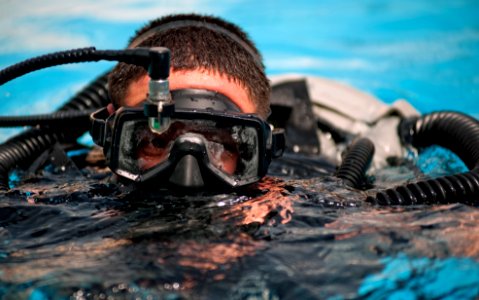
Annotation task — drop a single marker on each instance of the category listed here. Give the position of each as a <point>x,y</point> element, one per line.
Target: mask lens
<point>233,150</point>
<point>135,139</point>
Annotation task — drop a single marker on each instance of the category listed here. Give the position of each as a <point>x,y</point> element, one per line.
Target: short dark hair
<point>228,51</point>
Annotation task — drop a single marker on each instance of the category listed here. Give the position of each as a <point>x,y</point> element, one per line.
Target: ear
<point>110,108</point>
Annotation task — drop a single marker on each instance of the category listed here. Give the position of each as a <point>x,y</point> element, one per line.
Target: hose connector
<point>159,106</point>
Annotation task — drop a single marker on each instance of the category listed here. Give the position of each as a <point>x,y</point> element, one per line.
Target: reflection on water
<point>455,226</point>
<point>62,234</point>
<point>285,237</point>
<point>274,207</point>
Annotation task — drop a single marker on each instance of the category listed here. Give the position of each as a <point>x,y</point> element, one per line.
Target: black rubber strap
<point>193,23</point>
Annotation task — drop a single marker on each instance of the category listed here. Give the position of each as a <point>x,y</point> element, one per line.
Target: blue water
<point>414,278</point>
<point>300,239</point>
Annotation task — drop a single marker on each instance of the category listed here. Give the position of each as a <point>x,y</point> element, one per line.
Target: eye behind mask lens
<point>231,150</point>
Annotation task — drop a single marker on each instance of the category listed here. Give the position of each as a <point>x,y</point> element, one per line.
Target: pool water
<point>64,236</point>
<point>299,233</point>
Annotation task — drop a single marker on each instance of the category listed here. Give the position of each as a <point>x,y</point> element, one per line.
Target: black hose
<point>455,131</point>
<point>42,62</point>
<point>25,147</point>
<point>356,162</point>
<point>65,118</point>
<point>452,130</point>
<point>139,57</point>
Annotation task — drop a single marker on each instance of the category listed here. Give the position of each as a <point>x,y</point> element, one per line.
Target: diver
<point>213,119</point>
<point>218,134</point>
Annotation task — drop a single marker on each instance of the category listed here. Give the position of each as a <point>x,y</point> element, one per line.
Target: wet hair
<point>199,42</point>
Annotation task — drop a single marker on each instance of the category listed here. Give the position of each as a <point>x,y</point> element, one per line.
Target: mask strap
<point>201,24</point>
<point>98,126</point>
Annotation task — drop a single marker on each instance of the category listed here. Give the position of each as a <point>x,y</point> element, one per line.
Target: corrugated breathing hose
<point>454,131</point>
<point>356,162</point>
<point>25,147</point>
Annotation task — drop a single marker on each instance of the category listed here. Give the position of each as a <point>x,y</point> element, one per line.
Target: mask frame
<point>105,133</point>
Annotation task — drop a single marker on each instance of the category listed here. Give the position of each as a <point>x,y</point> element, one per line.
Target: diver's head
<point>218,136</point>
<point>206,53</point>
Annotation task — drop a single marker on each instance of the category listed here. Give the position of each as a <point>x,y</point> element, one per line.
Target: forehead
<point>195,79</point>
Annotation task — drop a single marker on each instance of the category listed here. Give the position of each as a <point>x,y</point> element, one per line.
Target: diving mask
<point>208,142</point>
